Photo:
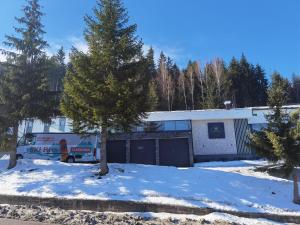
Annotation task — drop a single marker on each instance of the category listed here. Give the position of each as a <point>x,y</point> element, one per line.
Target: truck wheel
<point>19,156</point>
<point>70,159</point>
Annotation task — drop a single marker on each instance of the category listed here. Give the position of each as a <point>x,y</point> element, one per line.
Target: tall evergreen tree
<point>152,73</point>
<point>248,84</point>
<point>281,139</point>
<point>295,89</point>
<point>151,64</point>
<point>259,87</point>
<point>108,86</point>
<point>234,78</point>
<point>278,96</point>
<point>162,83</point>
<point>24,89</point>
<point>245,73</point>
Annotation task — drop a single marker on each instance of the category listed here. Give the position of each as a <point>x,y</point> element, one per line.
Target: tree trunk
<point>296,190</point>
<point>14,144</point>
<point>103,157</point>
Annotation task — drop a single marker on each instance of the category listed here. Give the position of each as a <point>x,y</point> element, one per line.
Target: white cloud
<point>67,43</point>
<point>78,43</point>
<point>175,53</point>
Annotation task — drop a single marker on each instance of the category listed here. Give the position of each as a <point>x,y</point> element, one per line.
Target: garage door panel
<point>143,151</point>
<point>174,152</point>
<point>116,151</point>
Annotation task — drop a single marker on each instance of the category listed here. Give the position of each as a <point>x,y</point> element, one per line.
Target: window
<point>216,130</point>
<point>29,126</point>
<point>183,125</point>
<point>30,139</point>
<point>140,128</point>
<point>62,124</point>
<point>169,125</point>
<point>161,126</point>
<point>47,127</point>
<point>153,126</point>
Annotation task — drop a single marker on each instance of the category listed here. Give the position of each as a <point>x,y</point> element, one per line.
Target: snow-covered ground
<point>221,185</point>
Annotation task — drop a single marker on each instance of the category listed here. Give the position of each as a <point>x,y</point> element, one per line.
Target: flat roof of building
<point>210,114</point>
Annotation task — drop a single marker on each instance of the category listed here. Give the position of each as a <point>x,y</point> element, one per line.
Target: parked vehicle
<point>66,147</point>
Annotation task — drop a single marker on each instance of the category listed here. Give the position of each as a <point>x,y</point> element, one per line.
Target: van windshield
<point>28,139</point>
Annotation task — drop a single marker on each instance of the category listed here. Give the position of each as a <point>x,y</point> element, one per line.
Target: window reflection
<point>160,126</point>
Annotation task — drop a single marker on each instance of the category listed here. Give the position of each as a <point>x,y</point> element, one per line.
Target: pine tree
<point>162,83</point>
<point>234,78</point>
<point>295,89</point>
<point>152,73</point>
<point>178,100</point>
<point>245,86</point>
<point>248,84</point>
<point>259,87</point>
<point>56,73</point>
<point>108,86</point>
<point>281,139</point>
<point>151,64</point>
<point>24,89</point>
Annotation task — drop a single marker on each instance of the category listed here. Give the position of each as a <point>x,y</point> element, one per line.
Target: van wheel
<point>70,159</point>
<point>19,156</point>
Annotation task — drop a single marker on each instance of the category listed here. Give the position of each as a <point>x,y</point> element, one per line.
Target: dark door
<point>142,151</point>
<point>116,151</point>
<point>174,152</point>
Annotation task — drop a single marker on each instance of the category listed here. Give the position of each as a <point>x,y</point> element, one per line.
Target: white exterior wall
<point>205,146</point>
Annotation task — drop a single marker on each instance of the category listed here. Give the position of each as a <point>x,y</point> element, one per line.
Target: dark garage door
<point>174,152</point>
<point>142,151</point>
<point>116,151</point>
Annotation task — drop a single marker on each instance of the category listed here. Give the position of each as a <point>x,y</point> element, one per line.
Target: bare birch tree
<point>181,82</point>
<point>165,83</point>
<point>191,79</point>
<point>218,69</point>
<point>199,78</point>
<point>170,91</point>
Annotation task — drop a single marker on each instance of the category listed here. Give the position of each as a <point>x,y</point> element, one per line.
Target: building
<point>178,138</point>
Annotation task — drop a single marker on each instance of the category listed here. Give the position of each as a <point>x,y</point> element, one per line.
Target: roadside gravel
<point>74,217</point>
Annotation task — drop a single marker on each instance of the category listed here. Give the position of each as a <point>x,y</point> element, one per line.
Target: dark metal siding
<point>242,129</point>
<point>116,151</point>
<point>174,152</point>
<point>143,151</point>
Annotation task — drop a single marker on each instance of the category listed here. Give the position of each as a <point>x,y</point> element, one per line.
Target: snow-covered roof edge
<point>210,114</point>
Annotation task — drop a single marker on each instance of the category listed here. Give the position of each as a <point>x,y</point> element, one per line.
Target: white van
<point>68,147</point>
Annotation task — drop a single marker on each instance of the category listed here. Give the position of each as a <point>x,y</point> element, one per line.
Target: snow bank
<point>232,187</point>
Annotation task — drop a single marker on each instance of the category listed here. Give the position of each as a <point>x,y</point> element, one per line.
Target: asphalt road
<point>19,222</point>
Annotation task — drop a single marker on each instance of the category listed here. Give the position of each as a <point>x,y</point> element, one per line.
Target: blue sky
<point>266,31</point>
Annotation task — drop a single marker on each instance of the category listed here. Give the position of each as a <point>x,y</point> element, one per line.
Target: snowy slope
<point>222,185</point>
